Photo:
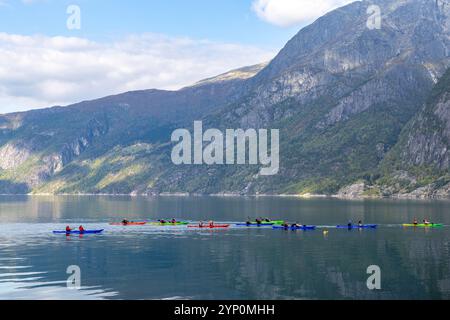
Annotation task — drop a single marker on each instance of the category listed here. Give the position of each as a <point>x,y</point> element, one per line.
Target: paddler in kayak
<point>360,224</point>
<point>350,224</point>
<point>426,222</point>
<point>173,221</point>
<point>81,229</point>
<point>162,221</point>
<point>415,222</point>
<point>125,222</point>
<point>68,229</point>
<point>211,224</point>
<point>258,222</point>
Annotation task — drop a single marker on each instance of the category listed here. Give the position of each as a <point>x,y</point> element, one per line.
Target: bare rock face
<point>12,155</point>
<point>338,56</point>
<point>431,191</point>
<point>352,191</point>
<point>427,145</point>
<point>423,150</point>
<point>443,192</point>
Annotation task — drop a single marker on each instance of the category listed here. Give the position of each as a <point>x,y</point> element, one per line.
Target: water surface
<point>147,262</point>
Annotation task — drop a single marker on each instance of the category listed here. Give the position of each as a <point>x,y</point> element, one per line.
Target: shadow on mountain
<point>9,187</point>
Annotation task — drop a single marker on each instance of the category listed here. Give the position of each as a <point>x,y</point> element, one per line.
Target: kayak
<point>295,228</point>
<point>422,225</point>
<point>169,223</point>
<point>210,227</point>
<point>128,224</point>
<point>79,232</point>
<point>364,226</point>
<point>264,224</point>
<point>271,222</point>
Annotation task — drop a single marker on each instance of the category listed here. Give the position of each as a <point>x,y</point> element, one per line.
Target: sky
<point>57,52</point>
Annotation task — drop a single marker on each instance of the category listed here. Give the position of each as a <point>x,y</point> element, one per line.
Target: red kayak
<point>128,224</point>
<point>207,226</point>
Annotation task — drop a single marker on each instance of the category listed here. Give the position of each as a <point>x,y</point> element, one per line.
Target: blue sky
<point>219,20</point>
<point>136,44</point>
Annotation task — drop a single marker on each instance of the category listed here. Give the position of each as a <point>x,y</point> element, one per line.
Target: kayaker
<point>81,229</point>
<point>267,220</point>
<point>68,229</point>
<point>360,224</point>
<point>211,224</point>
<point>162,221</point>
<point>426,222</point>
<point>125,221</point>
<point>200,224</point>
<point>173,221</point>
<point>258,221</point>
<point>416,222</point>
<point>350,224</point>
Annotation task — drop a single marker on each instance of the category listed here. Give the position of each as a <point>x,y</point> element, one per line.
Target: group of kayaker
<point>208,224</point>
<point>350,224</point>
<point>173,221</point>
<point>258,221</point>
<point>293,225</point>
<point>424,221</point>
<point>69,229</point>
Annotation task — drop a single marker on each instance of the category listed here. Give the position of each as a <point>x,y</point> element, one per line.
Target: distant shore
<point>229,195</point>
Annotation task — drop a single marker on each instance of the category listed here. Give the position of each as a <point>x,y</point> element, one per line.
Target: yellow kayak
<point>422,225</point>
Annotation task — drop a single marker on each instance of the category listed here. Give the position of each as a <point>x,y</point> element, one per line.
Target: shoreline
<point>227,195</point>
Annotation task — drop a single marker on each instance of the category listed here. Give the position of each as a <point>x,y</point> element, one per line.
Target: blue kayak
<point>264,224</point>
<point>364,226</point>
<point>78,232</point>
<point>295,228</point>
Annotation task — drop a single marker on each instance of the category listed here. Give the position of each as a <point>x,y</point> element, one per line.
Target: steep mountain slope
<point>419,165</point>
<point>37,145</point>
<point>339,92</point>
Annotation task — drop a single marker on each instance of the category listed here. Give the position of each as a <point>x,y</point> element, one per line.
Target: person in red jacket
<point>68,230</point>
<point>81,229</point>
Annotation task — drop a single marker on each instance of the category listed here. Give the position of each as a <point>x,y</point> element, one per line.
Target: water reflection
<point>171,263</point>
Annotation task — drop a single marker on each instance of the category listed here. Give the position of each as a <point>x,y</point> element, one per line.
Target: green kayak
<point>181,223</point>
<point>273,222</point>
<point>422,225</point>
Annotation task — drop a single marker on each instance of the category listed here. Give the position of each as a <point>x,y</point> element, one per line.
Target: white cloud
<point>292,12</point>
<point>40,71</point>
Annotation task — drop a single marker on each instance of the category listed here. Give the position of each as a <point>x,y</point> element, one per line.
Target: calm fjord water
<point>150,262</point>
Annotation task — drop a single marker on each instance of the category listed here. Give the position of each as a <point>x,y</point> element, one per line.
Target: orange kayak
<point>128,224</point>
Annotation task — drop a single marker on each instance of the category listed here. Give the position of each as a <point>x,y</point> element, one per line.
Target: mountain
<point>418,166</point>
<point>346,98</point>
<point>37,146</point>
